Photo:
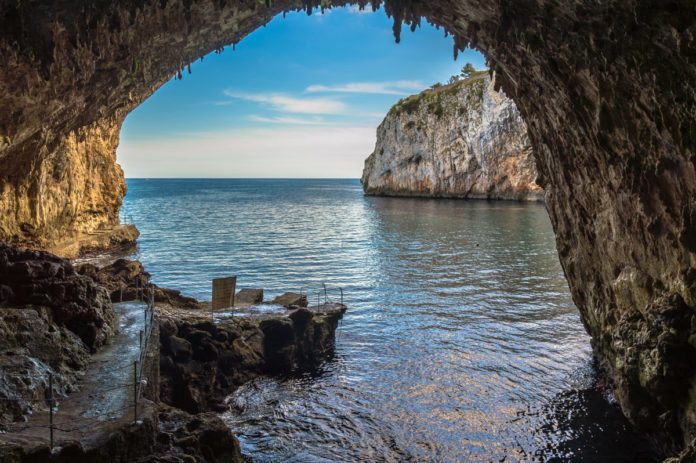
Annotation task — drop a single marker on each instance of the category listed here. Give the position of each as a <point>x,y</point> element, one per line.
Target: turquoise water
<point>461,342</point>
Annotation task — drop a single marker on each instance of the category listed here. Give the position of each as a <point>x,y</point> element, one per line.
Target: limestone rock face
<point>62,189</point>
<point>462,140</point>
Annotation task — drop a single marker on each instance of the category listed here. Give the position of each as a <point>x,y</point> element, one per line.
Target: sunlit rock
<point>462,140</point>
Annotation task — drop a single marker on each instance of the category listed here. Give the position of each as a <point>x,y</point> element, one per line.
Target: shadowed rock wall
<point>607,90</point>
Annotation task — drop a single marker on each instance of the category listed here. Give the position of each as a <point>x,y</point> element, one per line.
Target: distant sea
<point>461,342</point>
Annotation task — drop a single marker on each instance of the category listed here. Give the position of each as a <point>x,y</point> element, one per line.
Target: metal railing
<point>83,423</point>
<point>145,335</point>
<point>328,294</point>
<point>126,219</point>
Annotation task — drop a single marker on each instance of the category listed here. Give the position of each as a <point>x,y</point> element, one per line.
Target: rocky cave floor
<point>58,319</point>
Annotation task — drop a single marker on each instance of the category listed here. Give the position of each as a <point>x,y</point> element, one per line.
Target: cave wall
<point>55,187</point>
<point>607,90</point>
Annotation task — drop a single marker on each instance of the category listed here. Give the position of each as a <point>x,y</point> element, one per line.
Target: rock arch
<point>608,90</point>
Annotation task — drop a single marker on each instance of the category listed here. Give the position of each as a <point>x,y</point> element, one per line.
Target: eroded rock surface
<point>32,346</point>
<point>462,140</point>
<point>202,362</point>
<point>51,319</point>
<point>127,280</point>
<point>40,279</point>
<point>183,437</point>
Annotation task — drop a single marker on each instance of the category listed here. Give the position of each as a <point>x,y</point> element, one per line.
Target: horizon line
<point>242,178</point>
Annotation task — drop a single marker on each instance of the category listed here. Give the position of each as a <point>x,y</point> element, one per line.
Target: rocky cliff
<point>69,202</point>
<point>462,140</point>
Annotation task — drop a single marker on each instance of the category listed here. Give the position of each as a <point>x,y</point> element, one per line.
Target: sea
<point>461,341</point>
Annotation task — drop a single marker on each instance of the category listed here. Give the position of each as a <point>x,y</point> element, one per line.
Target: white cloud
<point>288,120</point>
<point>398,87</point>
<point>288,104</point>
<point>265,152</point>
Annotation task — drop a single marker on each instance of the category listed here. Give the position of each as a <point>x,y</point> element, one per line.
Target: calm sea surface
<point>461,342</point>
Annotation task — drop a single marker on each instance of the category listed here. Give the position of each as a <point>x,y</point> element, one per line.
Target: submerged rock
<point>462,140</point>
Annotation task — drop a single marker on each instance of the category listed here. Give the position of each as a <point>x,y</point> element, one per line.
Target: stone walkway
<point>105,398</point>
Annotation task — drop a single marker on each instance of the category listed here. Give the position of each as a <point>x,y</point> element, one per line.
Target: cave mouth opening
<point>589,399</point>
<point>243,121</point>
<point>607,92</point>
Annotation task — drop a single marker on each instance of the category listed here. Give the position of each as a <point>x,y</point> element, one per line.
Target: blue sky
<point>301,97</point>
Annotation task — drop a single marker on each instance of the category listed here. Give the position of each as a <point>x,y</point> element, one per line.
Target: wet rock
<point>180,349</point>
<point>203,437</point>
<point>127,280</point>
<point>463,140</point>
<point>35,278</point>
<point>291,299</point>
<point>249,296</point>
<point>229,353</point>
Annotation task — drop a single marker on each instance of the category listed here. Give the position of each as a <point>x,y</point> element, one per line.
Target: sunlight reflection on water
<point>461,342</point>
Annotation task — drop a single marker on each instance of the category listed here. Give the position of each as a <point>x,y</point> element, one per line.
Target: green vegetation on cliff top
<point>436,97</point>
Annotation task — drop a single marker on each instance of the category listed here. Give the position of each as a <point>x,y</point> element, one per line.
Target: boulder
<point>35,278</point>
<point>249,296</point>
<point>291,299</point>
<point>203,362</point>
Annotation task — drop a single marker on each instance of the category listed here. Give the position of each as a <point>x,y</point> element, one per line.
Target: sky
<point>299,98</point>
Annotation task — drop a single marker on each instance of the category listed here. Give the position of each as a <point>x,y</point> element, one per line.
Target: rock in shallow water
<point>249,296</point>
<point>202,362</point>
